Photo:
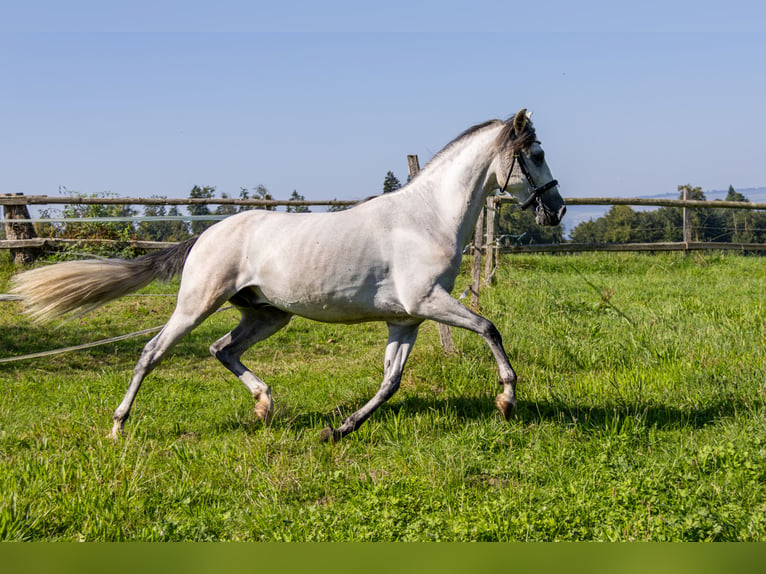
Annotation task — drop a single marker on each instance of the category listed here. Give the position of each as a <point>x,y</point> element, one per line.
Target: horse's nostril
<point>562,212</point>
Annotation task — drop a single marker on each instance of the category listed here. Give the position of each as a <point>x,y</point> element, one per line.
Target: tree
<point>663,224</point>
<point>198,192</point>
<point>734,195</point>
<point>622,224</point>
<point>121,230</point>
<point>260,192</point>
<point>588,231</point>
<point>297,208</point>
<point>706,224</point>
<point>738,221</point>
<point>244,194</point>
<point>169,230</point>
<point>334,208</point>
<point>519,227</point>
<point>391,183</point>
<point>154,230</point>
<point>226,209</point>
<point>745,226</point>
<point>178,230</point>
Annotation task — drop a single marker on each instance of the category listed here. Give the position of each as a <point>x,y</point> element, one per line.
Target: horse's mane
<point>517,133</point>
<point>467,133</point>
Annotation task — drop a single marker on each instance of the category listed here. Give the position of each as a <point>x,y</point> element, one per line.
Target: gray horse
<point>393,258</point>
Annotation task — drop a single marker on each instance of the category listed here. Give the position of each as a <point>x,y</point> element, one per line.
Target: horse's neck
<point>455,186</point>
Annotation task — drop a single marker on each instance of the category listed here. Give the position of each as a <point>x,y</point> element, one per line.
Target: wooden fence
<point>25,246</point>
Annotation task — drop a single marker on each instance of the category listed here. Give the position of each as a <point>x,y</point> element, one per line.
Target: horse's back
<point>325,266</point>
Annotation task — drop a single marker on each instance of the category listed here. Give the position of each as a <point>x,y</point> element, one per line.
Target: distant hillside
<point>756,194</point>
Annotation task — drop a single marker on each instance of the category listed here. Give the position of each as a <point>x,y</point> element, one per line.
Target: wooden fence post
<point>478,239</point>
<point>21,230</point>
<point>687,222</point>
<point>445,335</point>
<point>491,251</point>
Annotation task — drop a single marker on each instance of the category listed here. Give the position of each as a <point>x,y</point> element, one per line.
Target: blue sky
<point>324,98</point>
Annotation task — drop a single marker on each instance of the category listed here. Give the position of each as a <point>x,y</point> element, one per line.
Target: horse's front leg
<point>401,338</point>
<point>442,307</point>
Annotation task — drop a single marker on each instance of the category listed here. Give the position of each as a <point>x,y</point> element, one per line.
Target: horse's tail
<point>81,286</point>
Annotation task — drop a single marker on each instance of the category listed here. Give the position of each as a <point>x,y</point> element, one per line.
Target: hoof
<point>263,410</point>
<point>505,405</point>
<point>330,435</point>
<point>116,432</point>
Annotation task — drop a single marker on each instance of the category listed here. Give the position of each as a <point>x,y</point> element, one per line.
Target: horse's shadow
<point>586,418</point>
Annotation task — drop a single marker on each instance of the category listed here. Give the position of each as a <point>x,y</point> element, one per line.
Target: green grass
<point>641,417</point>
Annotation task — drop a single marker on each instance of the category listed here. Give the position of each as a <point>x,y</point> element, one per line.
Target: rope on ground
<point>89,345</point>
<point>6,297</point>
<point>80,347</point>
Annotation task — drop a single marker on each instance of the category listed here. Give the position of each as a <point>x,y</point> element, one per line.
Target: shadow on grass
<point>635,414</point>
<point>611,417</point>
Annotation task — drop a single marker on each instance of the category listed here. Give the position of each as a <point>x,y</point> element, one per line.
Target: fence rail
<point>20,199</point>
<point>25,246</point>
<point>659,246</point>
<point>19,229</point>
<point>657,202</point>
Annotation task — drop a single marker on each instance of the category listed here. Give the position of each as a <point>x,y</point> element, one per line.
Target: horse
<point>392,258</point>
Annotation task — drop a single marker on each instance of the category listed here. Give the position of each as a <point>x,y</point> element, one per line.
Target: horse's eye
<point>537,156</point>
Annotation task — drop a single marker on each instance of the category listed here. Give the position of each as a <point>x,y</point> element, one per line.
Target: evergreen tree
<point>198,192</point>
<point>745,226</point>
<point>707,224</point>
<point>333,208</point>
<point>297,208</point>
<point>734,195</point>
<point>244,194</point>
<point>391,183</point>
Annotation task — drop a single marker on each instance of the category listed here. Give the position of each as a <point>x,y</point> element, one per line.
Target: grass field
<point>642,397</point>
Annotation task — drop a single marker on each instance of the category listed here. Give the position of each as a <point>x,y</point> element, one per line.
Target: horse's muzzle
<point>546,216</point>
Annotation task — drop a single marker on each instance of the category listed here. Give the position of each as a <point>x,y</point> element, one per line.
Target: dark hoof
<point>330,435</point>
<point>506,406</point>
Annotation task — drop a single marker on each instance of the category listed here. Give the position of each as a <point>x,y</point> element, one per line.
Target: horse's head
<point>522,171</point>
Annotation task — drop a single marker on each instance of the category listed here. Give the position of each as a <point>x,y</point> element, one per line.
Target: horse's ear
<point>520,121</point>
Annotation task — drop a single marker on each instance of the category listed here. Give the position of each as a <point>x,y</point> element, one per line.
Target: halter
<point>536,191</point>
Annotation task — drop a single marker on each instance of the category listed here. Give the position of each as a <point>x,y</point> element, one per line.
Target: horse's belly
<point>339,306</point>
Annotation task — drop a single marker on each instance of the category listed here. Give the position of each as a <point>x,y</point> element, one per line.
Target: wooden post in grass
<point>478,239</point>
<point>20,230</point>
<point>490,255</point>
<point>445,335</point>
<point>687,223</point>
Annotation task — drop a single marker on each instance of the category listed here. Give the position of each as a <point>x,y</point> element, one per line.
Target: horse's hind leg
<point>401,338</point>
<point>256,324</point>
<point>179,324</point>
<point>199,295</point>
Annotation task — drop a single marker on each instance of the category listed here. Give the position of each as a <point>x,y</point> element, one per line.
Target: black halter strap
<point>536,191</point>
